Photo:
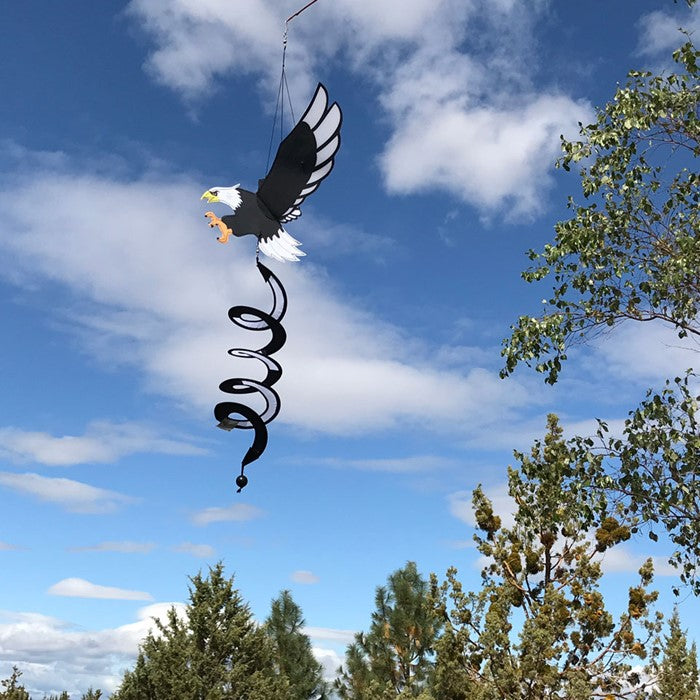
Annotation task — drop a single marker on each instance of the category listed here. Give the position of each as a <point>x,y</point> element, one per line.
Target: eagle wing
<point>304,158</point>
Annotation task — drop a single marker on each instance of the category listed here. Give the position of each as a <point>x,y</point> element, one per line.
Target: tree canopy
<point>293,656</point>
<point>393,659</point>
<point>678,671</point>
<point>538,627</point>
<point>632,251</point>
<point>216,651</point>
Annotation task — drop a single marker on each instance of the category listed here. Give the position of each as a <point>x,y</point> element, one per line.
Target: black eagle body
<point>304,159</point>
<point>252,217</point>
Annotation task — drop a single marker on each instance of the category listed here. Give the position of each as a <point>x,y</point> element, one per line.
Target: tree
<point>92,694</point>
<point>293,656</point>
<point>653,469</point>
<point>394,658</point>
<point>632,253</point>
<point>678,671</point>
<point>12,690</point>
<point>216,652</point>
<point>538,628</point>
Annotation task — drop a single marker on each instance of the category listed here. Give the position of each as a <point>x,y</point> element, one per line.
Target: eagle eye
<point>215,193</point>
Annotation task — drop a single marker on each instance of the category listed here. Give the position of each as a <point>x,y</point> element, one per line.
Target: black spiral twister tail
<point>255,320</point>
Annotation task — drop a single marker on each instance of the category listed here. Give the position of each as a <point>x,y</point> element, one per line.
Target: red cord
<point>298,12</point>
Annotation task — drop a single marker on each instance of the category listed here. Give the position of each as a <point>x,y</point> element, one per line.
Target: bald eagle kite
<point>303,160</point>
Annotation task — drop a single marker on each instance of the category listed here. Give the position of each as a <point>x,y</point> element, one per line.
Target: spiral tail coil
<point>253,319</point>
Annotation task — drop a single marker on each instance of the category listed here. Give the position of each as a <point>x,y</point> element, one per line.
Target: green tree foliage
<point>12,690</point>
<point>394,658</point>
<point>678,671</point>
<point>632,252</point>
<point>11,687</point>
<point>653,469</point>
<point>292,650</point>
<point>217,652</point>
<point>538,628</point>
<point>92,694</point>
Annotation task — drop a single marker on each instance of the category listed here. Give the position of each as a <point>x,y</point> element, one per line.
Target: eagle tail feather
<point>281,247</point>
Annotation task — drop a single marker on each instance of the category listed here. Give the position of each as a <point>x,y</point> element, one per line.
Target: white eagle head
<point>226,195</point>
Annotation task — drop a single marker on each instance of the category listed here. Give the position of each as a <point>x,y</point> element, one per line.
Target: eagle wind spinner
<point>304,159</point>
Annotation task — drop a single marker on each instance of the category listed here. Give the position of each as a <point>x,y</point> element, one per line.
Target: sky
<point>115,484</point>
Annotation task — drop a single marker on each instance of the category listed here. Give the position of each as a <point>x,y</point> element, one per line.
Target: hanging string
<point>283,86</point>
<point>289,99</point>
<point>279,103</point>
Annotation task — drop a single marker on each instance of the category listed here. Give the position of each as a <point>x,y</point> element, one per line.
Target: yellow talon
<point>216,221</point>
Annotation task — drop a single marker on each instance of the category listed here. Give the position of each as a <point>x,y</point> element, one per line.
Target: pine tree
<point>12,690</point>
<point>91,694</point>
<point>678,671</point>
<point>293,654</point>
<point>394,658</point>
<point>216,652</point>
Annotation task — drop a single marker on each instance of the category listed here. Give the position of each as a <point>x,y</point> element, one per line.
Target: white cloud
<point>332,239</point>
<point>460,505</point>
<point>54,656</point>
<point>330,661</point>
<point>330,634</point>
<point>238,512</point>
<point>196,43</point>
<point>124,547</point>
<point>452,77</point>
<point>306,577</point>
<point>386,20</point>
<point>484,155</point>
<point>103,442</point>
<point>200,40</point>
<point>461,544</point>
<point>649,352</point>
<point>660,31</point>
<point>395,465</point>
<point>620,560</point>
<point>196,550</point>
<point>74,496</point>
<point>167,314</point>
<point>80,588</point>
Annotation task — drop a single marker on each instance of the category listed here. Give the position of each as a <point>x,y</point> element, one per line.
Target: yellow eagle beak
<point>209,196</point>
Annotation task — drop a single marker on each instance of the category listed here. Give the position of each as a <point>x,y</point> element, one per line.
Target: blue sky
<point>115,484</point>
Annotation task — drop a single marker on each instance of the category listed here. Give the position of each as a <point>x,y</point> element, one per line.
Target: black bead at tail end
<point>241,482</point>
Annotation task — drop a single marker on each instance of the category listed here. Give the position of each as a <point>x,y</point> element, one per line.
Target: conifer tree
<point>216,652</point>
<point>12,689</point>
<point>91,694</point>
<point>293,655</point>
<point>394,658</point>
<point>538,627</point>
<point>678,671</point>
